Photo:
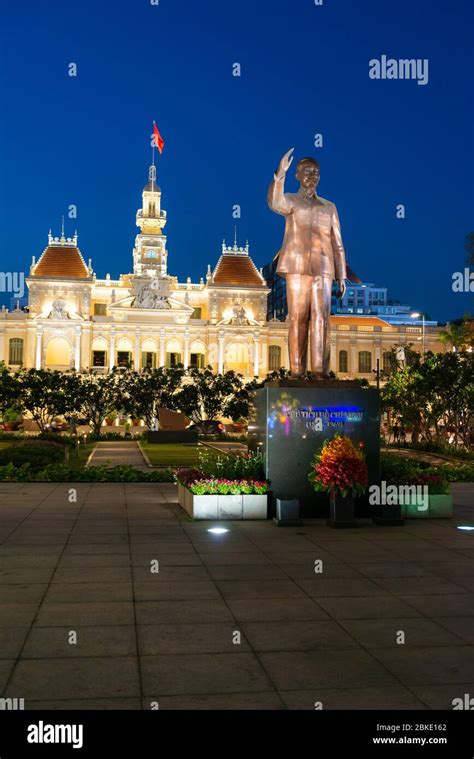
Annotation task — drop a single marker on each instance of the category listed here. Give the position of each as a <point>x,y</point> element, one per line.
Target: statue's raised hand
<point>285,163</point>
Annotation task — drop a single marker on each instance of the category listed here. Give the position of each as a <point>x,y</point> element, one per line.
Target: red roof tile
<point>237,269</point>
<point>61,261</point>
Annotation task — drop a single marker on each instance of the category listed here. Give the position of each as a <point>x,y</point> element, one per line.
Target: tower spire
<point>152,176</point>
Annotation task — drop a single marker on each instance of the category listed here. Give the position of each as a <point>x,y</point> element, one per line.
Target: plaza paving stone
<point>171,636</point>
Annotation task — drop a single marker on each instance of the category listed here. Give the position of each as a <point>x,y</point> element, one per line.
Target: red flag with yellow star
<point>159,141</point>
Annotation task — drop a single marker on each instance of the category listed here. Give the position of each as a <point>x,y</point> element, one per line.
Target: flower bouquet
<point>339,468</point>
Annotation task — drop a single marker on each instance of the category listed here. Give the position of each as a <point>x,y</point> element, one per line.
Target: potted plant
<point>110,418</point>
<point>211,497</point>
<point>11,419</point>
<point>339,469</point>
<point>437,504</point>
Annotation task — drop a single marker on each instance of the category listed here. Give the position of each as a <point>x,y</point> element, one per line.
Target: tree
<point>450,376</point>
<point>143,394</point>
<point>98,396</point>
<point>9,389</point>
<point>459,334</point>
<point>433,394</point>
<point>46,395</point>
<point>205,397</point>
<point>401,394</point>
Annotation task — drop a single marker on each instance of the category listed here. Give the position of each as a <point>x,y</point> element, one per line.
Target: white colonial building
<point>148,318</point>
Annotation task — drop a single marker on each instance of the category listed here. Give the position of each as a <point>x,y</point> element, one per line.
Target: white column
<point>112,350</point>
<point>3,353</point>
<point>220,354</point>
<point>353,365</point>
<point>256,346</point>
<point>137,361</point>
<point>186,350</point>
<point>333,357</point>
<point>77,350</point>
<point>162,347</point>
<point>39,348</point>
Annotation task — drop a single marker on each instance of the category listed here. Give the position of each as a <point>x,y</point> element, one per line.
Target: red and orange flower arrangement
<point>339,468</point>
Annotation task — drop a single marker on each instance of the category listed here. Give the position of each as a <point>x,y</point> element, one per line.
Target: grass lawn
<point>79,462</point>
<point>171,454</point>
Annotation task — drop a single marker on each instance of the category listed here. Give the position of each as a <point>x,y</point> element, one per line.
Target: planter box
<point>341,511</point>
<point>439,507</point>
<point>255,506</point>
<point>222,506</point>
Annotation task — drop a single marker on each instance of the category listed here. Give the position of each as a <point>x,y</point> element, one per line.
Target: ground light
<point>466,527</point>
<point>218,530</point>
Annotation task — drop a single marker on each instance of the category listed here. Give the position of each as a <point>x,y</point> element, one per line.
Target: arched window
<point>386,362</point>
<point>274,357</point>
<point>343,361</point>
<point>151,210</point>
<point>15,351</point>
<point>365,362</point>
<point>173,359</point>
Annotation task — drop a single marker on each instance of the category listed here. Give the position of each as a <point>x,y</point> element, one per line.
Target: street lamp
<point>417,315</point>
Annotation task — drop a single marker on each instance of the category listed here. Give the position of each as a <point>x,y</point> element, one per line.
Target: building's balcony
<point>190,286</point>
<point>14,315</point>
<point>156,215</point>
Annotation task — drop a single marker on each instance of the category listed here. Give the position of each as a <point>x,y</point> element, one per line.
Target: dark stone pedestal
<point>341,512</point>
<point>292,420</point>
<point>172,436</point>
<point>287,514</point>
<point>389,516</point>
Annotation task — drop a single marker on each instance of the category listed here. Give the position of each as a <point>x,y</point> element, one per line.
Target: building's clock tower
<point>150,254</point>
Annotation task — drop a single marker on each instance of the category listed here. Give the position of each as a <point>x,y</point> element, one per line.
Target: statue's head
<point>307,173</point>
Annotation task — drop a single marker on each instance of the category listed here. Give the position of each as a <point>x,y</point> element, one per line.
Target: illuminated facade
<point>147,318</point>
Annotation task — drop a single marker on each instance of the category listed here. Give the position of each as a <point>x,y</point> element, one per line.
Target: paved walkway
<point>228,446</point>
<point>118,453</point>
<point>85,567</point>
<point>428,458</point>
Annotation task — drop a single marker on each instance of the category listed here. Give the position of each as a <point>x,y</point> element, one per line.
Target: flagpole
<point>153,160</point>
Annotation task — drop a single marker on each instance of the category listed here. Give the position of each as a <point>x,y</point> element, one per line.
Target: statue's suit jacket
<point>313,241</point>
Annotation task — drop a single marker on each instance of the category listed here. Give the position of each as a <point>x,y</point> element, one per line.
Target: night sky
<point>305,69</point>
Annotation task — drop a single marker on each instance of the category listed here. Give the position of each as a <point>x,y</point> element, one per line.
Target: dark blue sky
<point>85,140</point>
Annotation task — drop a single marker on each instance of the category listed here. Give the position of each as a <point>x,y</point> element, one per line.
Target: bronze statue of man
<point>311,257</point>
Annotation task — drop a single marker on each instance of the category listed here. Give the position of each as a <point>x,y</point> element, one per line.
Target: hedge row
<point>64,473</point>
<point>398,469</point>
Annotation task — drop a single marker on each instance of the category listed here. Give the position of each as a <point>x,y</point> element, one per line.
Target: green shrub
<point>36,453</point>
<point>455,472</point>
<point>213,486</point>
<point>231,467</point>
<point>436,483</point>
<point>441,447</point>
<point>54,437</point>
<point>64,473</point>
<point>397,469</point>
<point>17,436</point>
<point>119,436</point>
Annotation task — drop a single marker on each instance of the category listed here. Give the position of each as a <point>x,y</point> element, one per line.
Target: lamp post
<point>377,373</point>
<point>417,315</point>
